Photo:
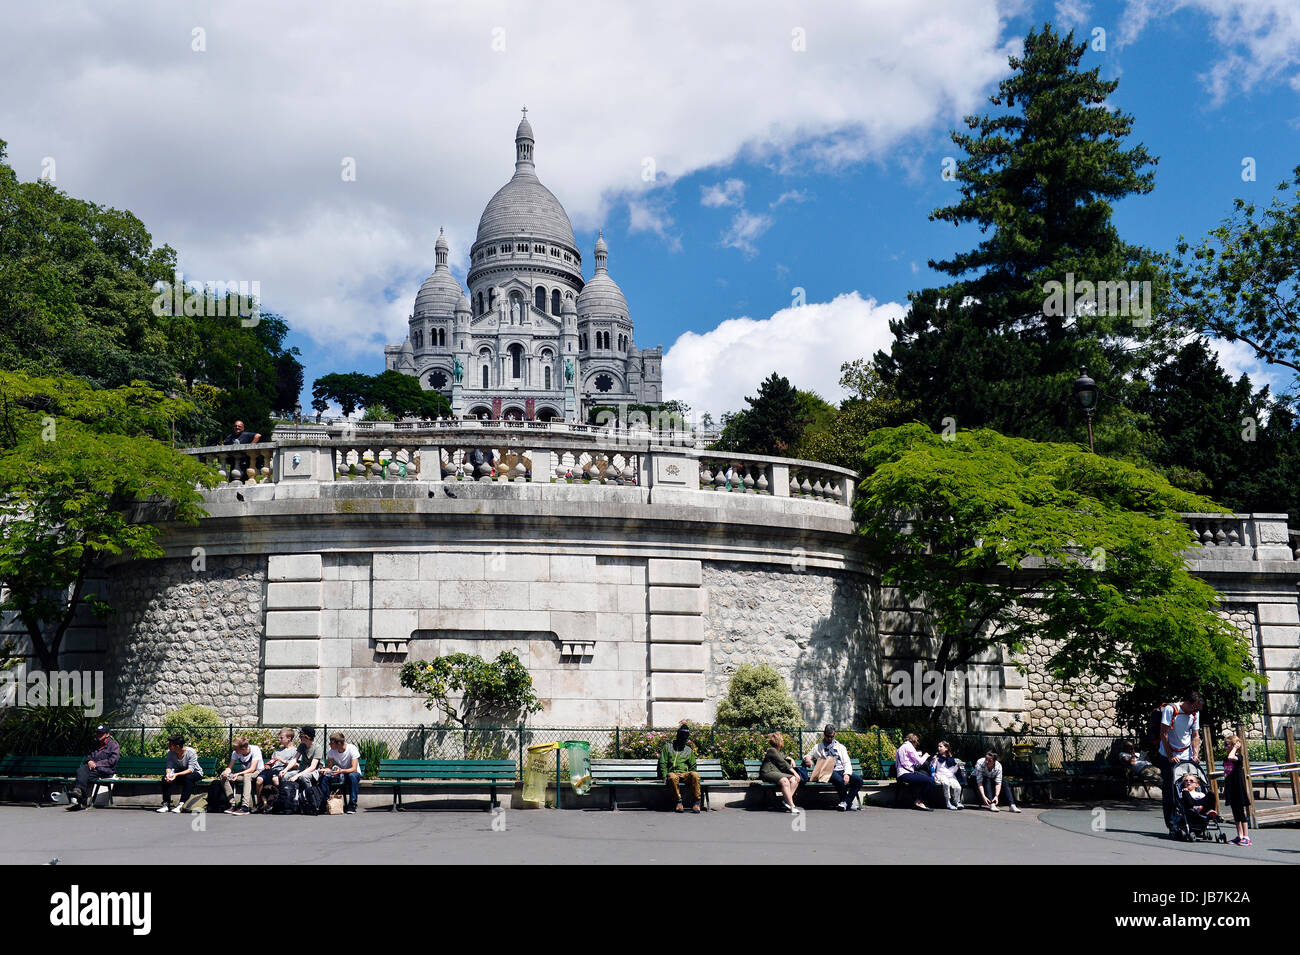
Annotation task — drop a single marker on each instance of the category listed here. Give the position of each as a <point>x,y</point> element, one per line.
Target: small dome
<point>464,304</point>
<point>601,247</point>
<point>525,130</point>
<point>406,347</point>
<point>601,296</point>
<point>440,294</point>
<point>568,308</point>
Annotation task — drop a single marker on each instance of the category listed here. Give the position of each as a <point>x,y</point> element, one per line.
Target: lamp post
<point>239,375</point>
<point>1085,392</point>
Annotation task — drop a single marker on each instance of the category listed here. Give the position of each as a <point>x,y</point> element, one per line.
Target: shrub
<point>202,728</point>
<point>373,751</point>
<point>49,731</point>
<point>757,697</point>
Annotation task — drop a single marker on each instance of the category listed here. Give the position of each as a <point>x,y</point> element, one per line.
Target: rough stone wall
<point>184,636</point>
<point>814,628</point>
<point>1088,707</point>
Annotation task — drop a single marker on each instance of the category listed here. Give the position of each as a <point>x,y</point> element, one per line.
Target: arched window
<point>442,336</point>
<point>555,302</point>
<point>492,299</point>
<point>539,298</point>
<point>546,377</point>
<point>480,303</point>
<point>516,361</point>
<point>485,376</point>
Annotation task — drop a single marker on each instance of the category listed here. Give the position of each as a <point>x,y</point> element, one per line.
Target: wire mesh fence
<point>874,747</point>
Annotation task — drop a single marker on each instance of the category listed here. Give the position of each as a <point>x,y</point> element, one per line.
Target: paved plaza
<point>434,834</point>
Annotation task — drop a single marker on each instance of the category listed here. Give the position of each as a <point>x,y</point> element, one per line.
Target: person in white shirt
<point>846,782</point>
<point>988,783</point>
<point>343,765</point>
<point>245,764</point>
<point>1180,739</point>
<point>946,770</point>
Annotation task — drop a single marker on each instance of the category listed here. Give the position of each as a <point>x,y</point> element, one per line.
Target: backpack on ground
<point>310,801</point>
<point>217,801</point>
<point>196,803</point>
<point>286,798</point>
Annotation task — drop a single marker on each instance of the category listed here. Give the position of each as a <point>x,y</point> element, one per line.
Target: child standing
<point>1234,785</point>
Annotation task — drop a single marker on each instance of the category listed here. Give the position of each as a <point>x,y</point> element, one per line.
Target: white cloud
<point>650,215</point>
<point>745,228</point>
<point>792,195</point>
<point>233,154</point>
<point>714,371</point>
<point>1260,39</point>
<point>729,193</point>
<point>1072,14</point>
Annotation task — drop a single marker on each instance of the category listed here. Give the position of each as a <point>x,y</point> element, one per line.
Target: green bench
<point>752,766</point>
<point>137,770</point>
<point>1265,775</point>
<point>130,770</point>
<point>463,774</point>
<point>615,774</point>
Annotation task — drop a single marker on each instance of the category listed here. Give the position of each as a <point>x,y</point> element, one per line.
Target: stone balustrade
<point>523,452</point>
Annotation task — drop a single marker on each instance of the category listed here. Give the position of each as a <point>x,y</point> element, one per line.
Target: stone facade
<point>815,628</point>
<point>180,635</point>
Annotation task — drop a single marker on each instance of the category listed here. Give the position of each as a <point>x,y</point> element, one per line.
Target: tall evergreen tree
<point>996,348</point>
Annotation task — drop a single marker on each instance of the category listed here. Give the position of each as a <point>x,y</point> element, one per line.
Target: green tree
<point>757,698</point>
<point>773,422</point>
<point>1010,540</point>
<point>1242,281</point>
<point>465,688</point>
<point>83,470</point>
<point>402,396</point>
<point>995,348</point>
<point>870,404</point>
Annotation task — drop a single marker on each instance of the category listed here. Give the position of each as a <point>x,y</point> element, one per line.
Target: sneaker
<point>178,808</point>
<point>241,811</point>
<point>1244,842</point>
<point>855,807</point>
<point>841,806</point>
<point>59,798</point>
<point>959,806</point>
<point>796,810</point>
<point>993,808</point>
<point>1015,808</point>
<point>230,811</point>
<point>163,809</point>
<point>353,812</point>
<point>695,809</point>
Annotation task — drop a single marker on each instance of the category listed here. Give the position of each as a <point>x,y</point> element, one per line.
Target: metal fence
<point>873,747</point>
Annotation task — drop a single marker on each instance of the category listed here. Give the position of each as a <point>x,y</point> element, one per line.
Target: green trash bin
<point>579,765</point>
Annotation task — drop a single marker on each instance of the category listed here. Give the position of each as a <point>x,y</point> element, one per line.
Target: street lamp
<point>239,375</point>
<point>1085,392</point>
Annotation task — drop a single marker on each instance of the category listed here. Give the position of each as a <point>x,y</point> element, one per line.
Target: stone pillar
<point>303,463</point>
<point>677,652</point>
<point>291,680</point>
<point>542,467</point>
<point>1279,659</point>
<point>780,480</point>
<point>430,463</point>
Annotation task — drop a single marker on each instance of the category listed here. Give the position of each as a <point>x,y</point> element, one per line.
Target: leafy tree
<point>1010,540</point>
<point>394,392</point>
<point>870,404</point>
<point>82,469</point>
<point>773,422</point>
<point>1038,177</point>
<point>757,698</point>
<point>465,688</point>
<point>345,389</point>
<point>1242,282</point>
<point>84,292</point>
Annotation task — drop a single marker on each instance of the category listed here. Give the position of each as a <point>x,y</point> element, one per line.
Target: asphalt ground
<point>432,833</point>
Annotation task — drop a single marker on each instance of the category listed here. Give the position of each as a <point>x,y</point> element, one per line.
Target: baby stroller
<point>1187,824</point>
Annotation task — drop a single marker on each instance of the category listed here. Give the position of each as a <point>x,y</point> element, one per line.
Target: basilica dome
<point>601,296</point>
<point>523,207</point>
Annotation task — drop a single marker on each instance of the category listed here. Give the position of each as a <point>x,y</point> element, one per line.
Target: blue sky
<point>777,168</point>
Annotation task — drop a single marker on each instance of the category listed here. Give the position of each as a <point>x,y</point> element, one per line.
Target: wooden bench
<point>613,774</point>
<point>752,766</point>
<point>463,774</point>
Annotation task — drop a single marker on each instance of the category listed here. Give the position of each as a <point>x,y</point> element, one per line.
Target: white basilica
<point>532,335</point>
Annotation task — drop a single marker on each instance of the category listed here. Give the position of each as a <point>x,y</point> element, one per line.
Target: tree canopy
<point>1009,540</point>
<point>83,469</point>
<point>392,391</point>
<point>1038,176</point>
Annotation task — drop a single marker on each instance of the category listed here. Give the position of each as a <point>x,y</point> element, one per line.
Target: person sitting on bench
<point>283,761</point>
<point>778,769</point>
<point>344,766</point>
<point>908,766</point>
<point>100,764</point>
<point>677,765</point>
<point>846,782</point>
<point>182,765</point>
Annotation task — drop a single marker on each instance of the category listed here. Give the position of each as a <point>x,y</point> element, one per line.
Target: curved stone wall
<point>184,635</point>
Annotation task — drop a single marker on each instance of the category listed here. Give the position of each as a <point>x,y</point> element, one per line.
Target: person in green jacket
<point>677,765</point>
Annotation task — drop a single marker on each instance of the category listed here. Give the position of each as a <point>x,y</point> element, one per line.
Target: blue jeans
<point>352,781</point>
<point>846,791</point>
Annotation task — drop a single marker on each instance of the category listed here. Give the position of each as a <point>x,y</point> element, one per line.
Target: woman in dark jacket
<point>778,769</point>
